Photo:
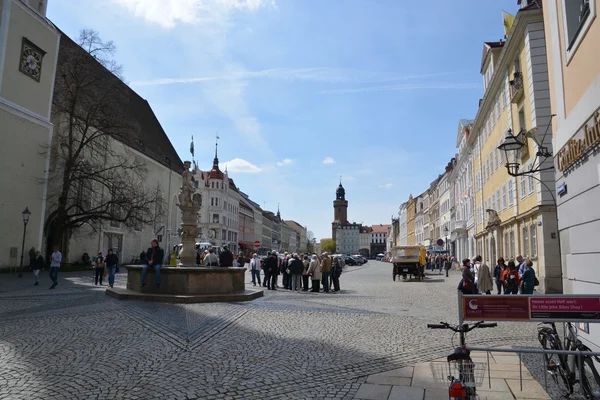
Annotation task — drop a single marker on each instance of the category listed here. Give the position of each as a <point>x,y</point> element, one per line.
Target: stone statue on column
<point>189,204</point>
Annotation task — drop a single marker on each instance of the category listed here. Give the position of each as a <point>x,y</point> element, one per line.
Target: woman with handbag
<point>111,265</point>
<point>99,269</point>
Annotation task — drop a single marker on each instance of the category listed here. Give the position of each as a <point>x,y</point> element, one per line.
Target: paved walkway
<point>74,342</point>
<point>501,382</point>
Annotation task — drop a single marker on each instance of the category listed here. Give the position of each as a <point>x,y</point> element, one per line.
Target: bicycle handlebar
<point>464,329</point>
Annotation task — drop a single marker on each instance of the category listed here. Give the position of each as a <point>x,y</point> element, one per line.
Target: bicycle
<point>464,374</point>
<point>564,369</point>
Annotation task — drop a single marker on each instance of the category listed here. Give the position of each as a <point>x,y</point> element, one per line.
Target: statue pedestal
<point>187,285</point>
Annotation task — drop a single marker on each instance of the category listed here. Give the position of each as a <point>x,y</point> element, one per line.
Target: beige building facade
<point>573,39</point>
<point>28,54</point>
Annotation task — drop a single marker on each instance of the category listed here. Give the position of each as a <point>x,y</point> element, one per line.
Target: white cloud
<point>328,160</point>
<point>241,166</point>
<point>169,13</point>
<point>285,161</point>
<point>412,86</point>
<point>386,186</point>
<point>316,74</point>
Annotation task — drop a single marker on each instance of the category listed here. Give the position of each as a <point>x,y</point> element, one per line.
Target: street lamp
<point>513,145</point>
<point>26,214</point>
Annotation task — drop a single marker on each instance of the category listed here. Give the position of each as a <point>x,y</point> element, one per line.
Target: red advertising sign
<point>495,308</point>
<point>257,244</point>
<point>568,308</point>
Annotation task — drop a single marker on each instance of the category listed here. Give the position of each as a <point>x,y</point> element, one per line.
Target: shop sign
<point>567,308</point>
<point>580,145</point>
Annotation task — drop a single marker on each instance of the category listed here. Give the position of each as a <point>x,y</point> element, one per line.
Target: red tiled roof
<point>380,228</point>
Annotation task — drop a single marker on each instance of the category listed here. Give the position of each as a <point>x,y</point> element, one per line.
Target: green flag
<point>192,146</point>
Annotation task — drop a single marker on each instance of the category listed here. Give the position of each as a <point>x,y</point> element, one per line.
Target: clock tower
<point>340,210</point>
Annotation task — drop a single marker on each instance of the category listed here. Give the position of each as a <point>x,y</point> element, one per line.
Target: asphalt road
<point>76,343</point>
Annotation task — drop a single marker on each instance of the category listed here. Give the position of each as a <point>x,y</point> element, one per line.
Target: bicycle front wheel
<point>590,380</point>
<point>554,363</point>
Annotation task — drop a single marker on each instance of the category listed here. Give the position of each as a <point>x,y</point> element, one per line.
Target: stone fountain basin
<point>187,285</point>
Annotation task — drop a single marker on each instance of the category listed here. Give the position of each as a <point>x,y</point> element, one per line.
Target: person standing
<point>32,258</point>
<point>255,269</point>
<point>314,270</point>
<point>305,277</point>
<point>325,270</point>
<point>499,275</point>
<point>467,283</point>
<point>273,265</point>
<point>111,264</point>
<point>476,268</point>
<point>336,272</point>
<point>511,279</point>
<point>55,260</point>
<point>99,269</point>
<point>226,257</point>
<point>528,279</point>
<point>155,256</point>
<point>267,271</point>
<point>210,259</point>
<point>37,266</point>
<point>296,268</point>
<point>486,282</point>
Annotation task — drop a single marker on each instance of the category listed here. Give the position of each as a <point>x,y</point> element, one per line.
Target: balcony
<point>516,88</point>
<point>460,225</point>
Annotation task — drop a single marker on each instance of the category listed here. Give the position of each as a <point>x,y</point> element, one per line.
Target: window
<point>577,13</point>
<point>523,187</point>
<point>504,97</point>
<point>525,241</point>
<point>215,218</point>
<point>494,160</point>
<point>512,243</point>
<point>533,238</point>
<point>531,184</point>
<point>212,201</point>
<point>506,246</point>
<point>504,202</point>
<point>510,192</point>
<point>498,200</point>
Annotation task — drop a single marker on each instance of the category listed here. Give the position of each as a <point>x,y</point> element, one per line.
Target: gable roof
<point>489,47</point>
<point>148,136</point>
<point>380,228</point>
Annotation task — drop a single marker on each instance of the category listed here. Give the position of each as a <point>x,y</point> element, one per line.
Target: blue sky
<point>303,91</point>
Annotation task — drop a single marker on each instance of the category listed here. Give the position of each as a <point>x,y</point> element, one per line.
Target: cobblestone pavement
<point>74,342</point>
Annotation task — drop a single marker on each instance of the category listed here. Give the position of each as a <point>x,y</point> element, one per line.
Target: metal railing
<point>520,351</point>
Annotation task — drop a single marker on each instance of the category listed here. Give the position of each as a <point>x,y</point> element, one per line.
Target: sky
<point>303,92</point>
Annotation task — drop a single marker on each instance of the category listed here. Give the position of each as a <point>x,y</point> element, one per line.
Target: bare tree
<point>94,179</point>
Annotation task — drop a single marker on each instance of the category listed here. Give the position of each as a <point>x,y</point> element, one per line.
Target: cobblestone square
<point>74,342</point>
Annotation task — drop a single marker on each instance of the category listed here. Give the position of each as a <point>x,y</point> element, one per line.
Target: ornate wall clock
<point>30,62</point>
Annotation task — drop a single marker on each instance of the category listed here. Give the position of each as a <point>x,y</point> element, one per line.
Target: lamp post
<point>512,146</point>
<point>26,214</point>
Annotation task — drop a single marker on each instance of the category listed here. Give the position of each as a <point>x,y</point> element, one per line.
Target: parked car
<point>349,260</point>
<point>358,259</point>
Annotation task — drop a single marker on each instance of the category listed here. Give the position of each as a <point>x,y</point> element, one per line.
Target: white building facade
<point>461,179</point>
<point>347,238</point>
<point>445,208</point>
<point>419,231</point>
<point>403,234</point>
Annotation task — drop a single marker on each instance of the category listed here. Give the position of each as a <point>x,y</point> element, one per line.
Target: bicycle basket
<point>470,373</point>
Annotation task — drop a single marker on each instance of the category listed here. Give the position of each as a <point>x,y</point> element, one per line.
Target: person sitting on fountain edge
<point>210,259</point>
<point>226,257</point>
<point>155,256</point>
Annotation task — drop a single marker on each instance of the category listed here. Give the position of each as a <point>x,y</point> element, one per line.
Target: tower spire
<point>216,160</point>
<point>278,213</point>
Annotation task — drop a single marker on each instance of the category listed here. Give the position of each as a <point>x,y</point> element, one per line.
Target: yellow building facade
<point>573,36</point>
<point>28,54</point>
<point>515,215</point>
<point>411,213</point>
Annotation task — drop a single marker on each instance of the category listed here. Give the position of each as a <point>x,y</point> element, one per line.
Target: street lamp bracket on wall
<point>513,147</point>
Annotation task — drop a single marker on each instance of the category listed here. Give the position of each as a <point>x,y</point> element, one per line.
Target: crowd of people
<point>512,277</point>
<point>300,272</point>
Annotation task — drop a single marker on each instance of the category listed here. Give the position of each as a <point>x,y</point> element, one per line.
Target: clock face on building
<point>31,60</point>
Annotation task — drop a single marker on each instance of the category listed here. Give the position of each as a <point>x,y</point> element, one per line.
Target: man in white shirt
<point>476,267</point>
<point>55,260</point>
<point>255,269</point>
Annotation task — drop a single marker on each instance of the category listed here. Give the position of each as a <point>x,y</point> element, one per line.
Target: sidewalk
<point>417,383</point>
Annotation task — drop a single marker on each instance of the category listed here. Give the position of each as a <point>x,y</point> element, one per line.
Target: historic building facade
<point>516,215</point>
<point>29,45</point>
